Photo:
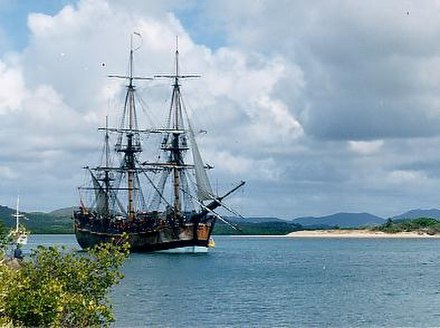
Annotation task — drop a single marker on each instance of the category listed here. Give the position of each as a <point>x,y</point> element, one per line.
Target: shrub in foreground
<point>59,288</point>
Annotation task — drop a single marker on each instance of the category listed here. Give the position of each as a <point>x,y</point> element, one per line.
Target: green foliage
<point>57,288</point>
<point>388,224</point>
<point>55,222</point>
<point>47,223</point>
<point>423,225</point>
<point>3,231</point>
<point>3,239</point>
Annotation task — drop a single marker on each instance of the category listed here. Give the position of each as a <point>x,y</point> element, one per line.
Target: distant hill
<point>279,227</point>
<point>63,212</point>
<point>38,222</point>
<point>255,219</point>
<point>60,221</point>
<point>432,213</point>
<point>6,212</point>
<point>342,220</point>
<point>256,226</point>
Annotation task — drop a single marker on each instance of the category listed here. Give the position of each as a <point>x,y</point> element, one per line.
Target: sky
<point>320,106</point>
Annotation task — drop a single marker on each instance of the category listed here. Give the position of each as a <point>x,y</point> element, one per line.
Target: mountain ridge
<point>418,213</point>
<point>341,219</point>
<point>59,221</point>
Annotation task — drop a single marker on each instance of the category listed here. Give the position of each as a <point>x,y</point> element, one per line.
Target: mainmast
<point>178,142</point>
<point>130,149</point>
<point>175,150</point>
<point>106,170</point>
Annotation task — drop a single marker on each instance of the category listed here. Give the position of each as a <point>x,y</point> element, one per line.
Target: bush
<point>57,288</point>
<point>3,237</point>
<point>428,225</point>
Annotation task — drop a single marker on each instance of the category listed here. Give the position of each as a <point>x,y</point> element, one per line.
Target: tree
<point>388,224</point>
<point>60,288</point>
<point>2,228</point>
<point>3,239</point>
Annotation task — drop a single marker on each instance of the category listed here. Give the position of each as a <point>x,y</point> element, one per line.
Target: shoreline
<point>356,234</point>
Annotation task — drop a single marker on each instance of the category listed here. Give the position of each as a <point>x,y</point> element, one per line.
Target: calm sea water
<point>281,282</point>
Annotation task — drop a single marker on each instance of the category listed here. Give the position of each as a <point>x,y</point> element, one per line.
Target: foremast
<point>133,145</point>
<point>129,145</point>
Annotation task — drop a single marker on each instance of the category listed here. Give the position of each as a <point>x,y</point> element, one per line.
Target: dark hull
<point>163,239</point>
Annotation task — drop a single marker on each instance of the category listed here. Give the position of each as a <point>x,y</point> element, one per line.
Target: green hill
<point>55,222</point>
<point>429,226</point>
<point>257,228</point>
<point>63,212</point>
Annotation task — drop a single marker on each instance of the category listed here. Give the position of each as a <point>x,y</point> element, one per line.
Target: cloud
<point>12,89</point>
<point>401,177</point>
<point>365,147</point>
<point>361,80</point>
<point>55,93</point>
<point>365,64</point>
<point>322,107</point>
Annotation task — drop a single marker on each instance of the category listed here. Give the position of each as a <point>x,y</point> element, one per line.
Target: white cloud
<point>7,173</point>
<point>55,94</point>
<point>324,106</point>
<point>12,88</point>
<point>241,167</point>
<point>401,177</point>
<point>365,147</point>
<point>366,65</point>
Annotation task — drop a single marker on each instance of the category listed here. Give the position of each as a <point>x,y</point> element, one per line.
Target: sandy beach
<point>357,234</point>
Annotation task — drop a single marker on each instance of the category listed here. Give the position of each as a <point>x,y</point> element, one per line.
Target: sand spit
<point>357,234</point>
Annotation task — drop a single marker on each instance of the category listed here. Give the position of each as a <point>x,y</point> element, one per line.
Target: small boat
<point>19,235</point>
<point>163,202</point>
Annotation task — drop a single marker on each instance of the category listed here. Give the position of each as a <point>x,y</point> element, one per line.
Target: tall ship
<point>152,184</point>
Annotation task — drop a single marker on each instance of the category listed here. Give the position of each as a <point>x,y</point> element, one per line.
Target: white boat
<point>19,235</point>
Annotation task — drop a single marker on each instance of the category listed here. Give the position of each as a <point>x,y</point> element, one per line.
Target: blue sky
<point>13,18</point>
<point>14,14</point>
<point>321,107</point>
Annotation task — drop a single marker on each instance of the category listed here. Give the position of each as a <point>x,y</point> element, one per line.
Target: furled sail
<point>100,195</point>
<point>204,190</point>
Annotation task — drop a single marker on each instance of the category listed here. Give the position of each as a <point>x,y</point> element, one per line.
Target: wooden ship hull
<point>143,241</point>
<point>188,238</point>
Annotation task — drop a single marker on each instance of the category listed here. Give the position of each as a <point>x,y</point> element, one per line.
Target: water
<point>281,282</point>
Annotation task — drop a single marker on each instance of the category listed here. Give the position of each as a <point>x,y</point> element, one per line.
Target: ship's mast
<point>177,147</point>
<point>129,151</point>
<point>129,129</point>
<point>175,150</point>
<point>106,171</point>
<point>17,215</point>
